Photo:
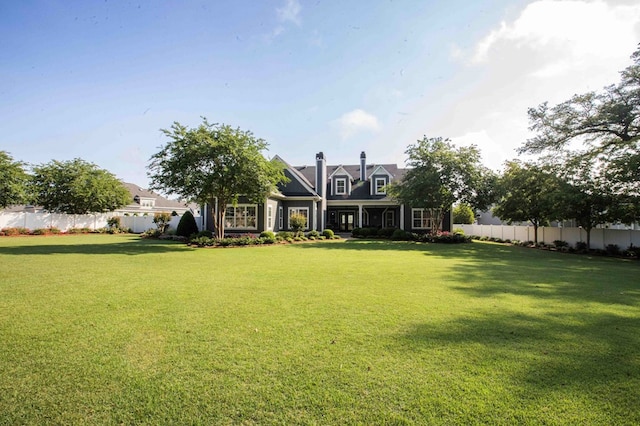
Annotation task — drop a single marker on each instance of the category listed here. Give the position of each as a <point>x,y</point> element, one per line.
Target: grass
<point>104,329</point>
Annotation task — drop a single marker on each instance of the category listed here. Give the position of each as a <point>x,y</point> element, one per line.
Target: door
<point>346,221</point>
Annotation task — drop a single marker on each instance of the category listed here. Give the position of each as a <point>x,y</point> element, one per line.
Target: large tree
<point>77,187</point>
<point>214,164</point>
<point>440,174</point>
<point>13,181</point>
<point>602,127</point>
<point>527,193</point>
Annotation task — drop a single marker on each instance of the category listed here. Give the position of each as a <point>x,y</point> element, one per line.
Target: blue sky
<point>97,79</point>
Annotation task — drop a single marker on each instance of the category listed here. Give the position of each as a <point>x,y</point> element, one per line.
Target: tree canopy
<point>77,187</point>
<point>214,164</point>
<point>527,192</point>
<point>440,174</point>
<point>13,181</point>
<point>601,127</point>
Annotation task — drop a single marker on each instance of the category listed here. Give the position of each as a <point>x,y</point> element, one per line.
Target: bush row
<point>563,246</point>
<point>206,239</point>
<point>13,231</point>
<point>401,235</point>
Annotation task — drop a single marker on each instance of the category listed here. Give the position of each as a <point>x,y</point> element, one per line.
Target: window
<point>242,216</point>
<point>381,183</point>
<point>389,219</point>
<point>421,219</point>
<point>304,211</point>
<point>341,186</point>
<point>280,218</point>
<point>269,217</point>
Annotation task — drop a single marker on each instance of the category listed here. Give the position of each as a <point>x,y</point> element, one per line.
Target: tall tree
<point>13,181</point>
<point>441,174</point>
<point>604,127</point>
<point>463,214</point>
<point>77,187</point>
<point>527,193</point>
<point>587,196</point>
<point>214,164</point>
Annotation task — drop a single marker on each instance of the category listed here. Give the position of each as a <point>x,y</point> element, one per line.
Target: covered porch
<point>345,217</point>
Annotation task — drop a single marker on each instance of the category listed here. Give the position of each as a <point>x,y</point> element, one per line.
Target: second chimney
<point>363,166</point>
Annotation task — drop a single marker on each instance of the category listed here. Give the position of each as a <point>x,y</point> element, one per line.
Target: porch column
<point>401,216</point>
<point>360,215</point>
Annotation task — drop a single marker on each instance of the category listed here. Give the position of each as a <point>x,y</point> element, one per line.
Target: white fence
<point>600,237</point>
<point>65,222</point>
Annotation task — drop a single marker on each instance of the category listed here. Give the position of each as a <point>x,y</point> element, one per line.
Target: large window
<point>421,219</point>
<point>381,184</point>
<point>304,211</point>
<point>341,186</point>
<point>242,216</point>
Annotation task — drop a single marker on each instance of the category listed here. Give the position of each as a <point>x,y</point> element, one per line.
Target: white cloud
<point>356,121</point>
<point>552,50</point>
<point>290,12</point>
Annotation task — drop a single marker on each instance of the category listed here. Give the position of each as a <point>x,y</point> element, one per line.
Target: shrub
<point>187,225</point>
<point>560,243</point>
<point>283,235</point>
<point>39,231</point>
<point>151,233</point>
<point>313,234</point>
<point>400,235</point>
<point>297,223</point>
<point>268,234</point>
<point>162,221</point>
<point>612,250</point>
<point>9,232</point>
<point>463,213</point>
<point>113,222</point>
<point>581,245</point>
<point>328,234</point>
<point>355,232</point>
<point>458,231</point>
<point>386,232</point>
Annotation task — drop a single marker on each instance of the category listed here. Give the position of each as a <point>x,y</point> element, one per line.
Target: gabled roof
<point>160,201</point>
<point>297,176</point>
<point>340,170</point>
<point>380,170</point>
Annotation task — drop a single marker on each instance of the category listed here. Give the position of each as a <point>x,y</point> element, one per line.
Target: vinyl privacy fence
<point>600,237</point>
<point>64,222</point>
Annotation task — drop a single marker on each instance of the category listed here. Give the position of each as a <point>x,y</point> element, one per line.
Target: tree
<point>463,213</point>
<point>13,181</point>
<point>77,187</point>
<point>162,219</point>
<point>527,193</point>
<point>187,225</point>
<point>441,174</point>
<point>604,125</point>
<point>214,164</point>
<point>297,223</point>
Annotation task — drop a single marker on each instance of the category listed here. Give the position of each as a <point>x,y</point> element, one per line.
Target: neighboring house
<point>148,202</point>
<point>338,197</point>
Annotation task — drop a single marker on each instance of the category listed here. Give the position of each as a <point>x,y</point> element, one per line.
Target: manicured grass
<point>99,329</point>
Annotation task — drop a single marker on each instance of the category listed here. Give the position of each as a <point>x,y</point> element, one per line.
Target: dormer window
<point>381,186</point>
<point>341,186</point>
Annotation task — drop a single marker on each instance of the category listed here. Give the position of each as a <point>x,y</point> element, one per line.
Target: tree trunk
<point>535,232</point>
<point>588,237</point>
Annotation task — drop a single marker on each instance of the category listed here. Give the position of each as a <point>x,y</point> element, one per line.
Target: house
<point>337,197</point>
<point>147,203</point>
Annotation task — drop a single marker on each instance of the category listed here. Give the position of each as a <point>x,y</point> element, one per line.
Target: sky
<point>98,80</point>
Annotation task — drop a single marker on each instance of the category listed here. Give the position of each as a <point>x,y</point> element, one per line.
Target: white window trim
<point>235,211</point>
<point>423,212</point>
<point>344,181</point>
<point>383,190</point>
<point>269,218</point>
<point>293,210</point>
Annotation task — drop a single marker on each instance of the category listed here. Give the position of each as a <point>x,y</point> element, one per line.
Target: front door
<point>346,221</point>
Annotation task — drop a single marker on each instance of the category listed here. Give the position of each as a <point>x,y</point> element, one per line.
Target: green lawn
<point>99,329</point>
